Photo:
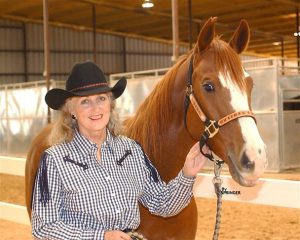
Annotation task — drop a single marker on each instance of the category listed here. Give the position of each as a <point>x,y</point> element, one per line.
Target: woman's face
<point>92,113</point>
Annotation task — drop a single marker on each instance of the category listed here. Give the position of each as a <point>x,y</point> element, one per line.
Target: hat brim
<point>56,97</point>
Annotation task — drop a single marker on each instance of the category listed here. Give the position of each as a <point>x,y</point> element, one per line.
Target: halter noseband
<point>211,127</point>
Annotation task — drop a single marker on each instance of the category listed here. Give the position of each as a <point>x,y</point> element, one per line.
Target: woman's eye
<point>84,101</point>
<point>103,98</point>
<point>208,87</point>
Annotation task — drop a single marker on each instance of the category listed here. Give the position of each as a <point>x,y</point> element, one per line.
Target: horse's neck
<point>166,147</point>
<point>176,145</point>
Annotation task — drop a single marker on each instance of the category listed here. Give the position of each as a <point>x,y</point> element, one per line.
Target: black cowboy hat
<point>85,79</point>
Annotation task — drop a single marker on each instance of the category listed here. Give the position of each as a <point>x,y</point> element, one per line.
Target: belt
<point>134,234</point>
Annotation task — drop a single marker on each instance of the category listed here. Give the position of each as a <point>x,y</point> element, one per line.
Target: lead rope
<point>217,181</point>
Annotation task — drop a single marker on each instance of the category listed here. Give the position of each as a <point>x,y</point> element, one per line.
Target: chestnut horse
<point>167,128</point>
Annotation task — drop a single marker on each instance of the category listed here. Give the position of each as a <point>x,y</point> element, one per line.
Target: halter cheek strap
<point>211,127</point>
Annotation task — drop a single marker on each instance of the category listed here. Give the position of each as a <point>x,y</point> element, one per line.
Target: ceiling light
<point>276,43</point>
<point>297,34</point>
<point>147,4</point>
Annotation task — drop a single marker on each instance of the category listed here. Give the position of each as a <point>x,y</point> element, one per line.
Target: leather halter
<point>211,127</point>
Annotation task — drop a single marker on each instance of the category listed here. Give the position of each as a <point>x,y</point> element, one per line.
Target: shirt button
<point>107,178</point>
<point>113,194</point>
<point>118,211</point>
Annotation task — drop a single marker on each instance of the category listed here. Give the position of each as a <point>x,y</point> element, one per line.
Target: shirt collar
<point>86,146</point>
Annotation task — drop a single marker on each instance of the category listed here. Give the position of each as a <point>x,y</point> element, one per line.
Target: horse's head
<point>222,87</point>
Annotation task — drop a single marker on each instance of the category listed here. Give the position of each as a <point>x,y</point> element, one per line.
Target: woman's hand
<point>116,235</point>
<point>194,161</point>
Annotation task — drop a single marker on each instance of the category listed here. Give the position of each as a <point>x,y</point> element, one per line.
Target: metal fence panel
<point>23,116</point>
<point>134,94</point>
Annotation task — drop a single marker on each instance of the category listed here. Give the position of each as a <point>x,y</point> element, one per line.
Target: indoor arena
<point>202,96</point>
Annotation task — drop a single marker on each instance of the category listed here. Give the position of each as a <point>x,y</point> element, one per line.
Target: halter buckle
<point>212,128</point>
<point>189,90</point>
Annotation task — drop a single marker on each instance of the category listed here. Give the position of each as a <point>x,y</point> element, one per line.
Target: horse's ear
<point>206,34</point>
<point>240,38</point>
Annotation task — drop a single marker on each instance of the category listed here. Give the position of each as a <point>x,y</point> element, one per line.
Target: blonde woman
<point>90,181</point>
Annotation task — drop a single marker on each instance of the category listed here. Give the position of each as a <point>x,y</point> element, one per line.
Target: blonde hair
<point>65,125</point>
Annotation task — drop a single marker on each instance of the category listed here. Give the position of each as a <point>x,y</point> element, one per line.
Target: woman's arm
<point>169,199</point>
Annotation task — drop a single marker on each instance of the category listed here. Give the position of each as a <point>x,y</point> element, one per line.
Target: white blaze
<point>254,146</point>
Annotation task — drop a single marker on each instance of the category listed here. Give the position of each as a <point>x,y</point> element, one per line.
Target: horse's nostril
<point>259,151</point>
<point>246,163</point>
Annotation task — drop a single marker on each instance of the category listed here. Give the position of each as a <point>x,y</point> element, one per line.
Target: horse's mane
<point>228,61</point>
<point>152,116</point>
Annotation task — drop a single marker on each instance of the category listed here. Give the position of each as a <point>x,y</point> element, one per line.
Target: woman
<point>91,180</point>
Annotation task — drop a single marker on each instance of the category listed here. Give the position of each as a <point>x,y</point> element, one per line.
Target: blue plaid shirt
<point>77,196</point>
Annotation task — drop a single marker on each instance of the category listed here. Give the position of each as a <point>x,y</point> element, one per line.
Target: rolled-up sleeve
<point>45,218</point>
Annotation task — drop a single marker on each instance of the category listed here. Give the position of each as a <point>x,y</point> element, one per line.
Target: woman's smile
<point>96,117</point>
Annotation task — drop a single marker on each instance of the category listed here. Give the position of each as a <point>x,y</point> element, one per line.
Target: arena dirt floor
<point>240,221</point>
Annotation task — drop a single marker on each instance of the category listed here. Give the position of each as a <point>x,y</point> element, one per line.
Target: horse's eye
<point>208,87</point>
